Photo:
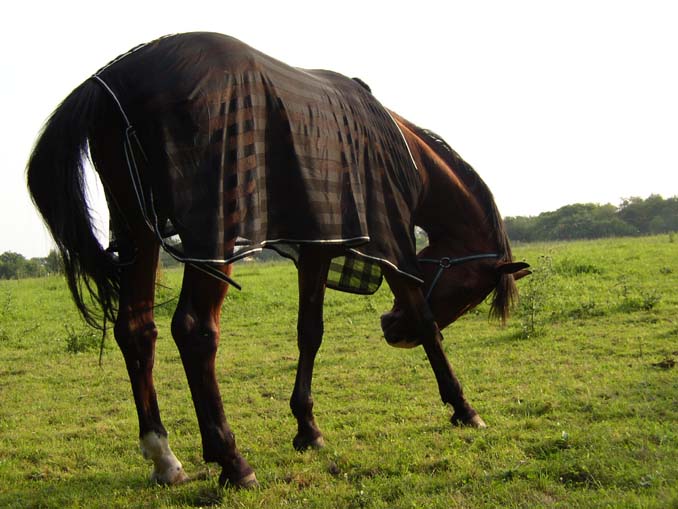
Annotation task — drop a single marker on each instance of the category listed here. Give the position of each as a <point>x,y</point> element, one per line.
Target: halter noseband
<point>446,262</point>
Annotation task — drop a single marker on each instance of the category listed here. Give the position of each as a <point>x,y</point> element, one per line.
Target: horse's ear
<point>514,268</point>
<point>521,274</point>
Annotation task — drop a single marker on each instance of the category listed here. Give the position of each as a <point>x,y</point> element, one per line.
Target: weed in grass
<point>635,298</point>
<point>667,363</point>
<point>579,476</point>
<point>570,267</point>
<point>547,449</point>
<point>85,340</point>
<point>5,313</point>
<point>534,296</point>
<point>649,300</point>
<point>587,309</point>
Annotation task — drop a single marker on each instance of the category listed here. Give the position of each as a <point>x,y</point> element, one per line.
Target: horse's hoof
<point>303,443</point>
<point>170,478</point>
<point>248,482</point>
<point>475,421</point>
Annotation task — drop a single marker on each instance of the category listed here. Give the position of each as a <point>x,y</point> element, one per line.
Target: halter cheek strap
<point>447,262</point>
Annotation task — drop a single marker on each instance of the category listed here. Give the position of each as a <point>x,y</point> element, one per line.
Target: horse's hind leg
<point>134,329</point>
<point>195,327</point>
<point>136,334</point>
<point>313,267</point>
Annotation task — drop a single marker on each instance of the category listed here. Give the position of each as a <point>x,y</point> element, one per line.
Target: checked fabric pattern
<point>240,148</point>
<point>354,274</point>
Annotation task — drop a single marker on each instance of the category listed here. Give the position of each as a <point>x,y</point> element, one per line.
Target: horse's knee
<point>310,327</point>
<point>195,335</point>
<point>310,334</point>
<point>135,338</point>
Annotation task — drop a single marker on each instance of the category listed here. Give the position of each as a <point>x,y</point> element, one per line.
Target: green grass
<point>578,393</point>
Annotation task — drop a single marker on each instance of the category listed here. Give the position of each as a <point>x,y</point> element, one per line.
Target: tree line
<point>15,266</point>
<point>633,217</point>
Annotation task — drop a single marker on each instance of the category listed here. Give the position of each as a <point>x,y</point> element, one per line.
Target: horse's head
<point>452,286</point>
<point>468,256</point>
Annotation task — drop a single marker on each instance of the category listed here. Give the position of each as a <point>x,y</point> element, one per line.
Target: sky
<point>552,102</point>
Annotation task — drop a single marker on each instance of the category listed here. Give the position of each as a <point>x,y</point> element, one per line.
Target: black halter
<point>447,262</point>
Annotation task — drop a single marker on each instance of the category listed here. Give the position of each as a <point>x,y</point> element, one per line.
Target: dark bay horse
<point>200,138</point>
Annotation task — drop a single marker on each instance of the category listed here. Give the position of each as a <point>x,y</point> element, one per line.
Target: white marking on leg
<point>167,468</point>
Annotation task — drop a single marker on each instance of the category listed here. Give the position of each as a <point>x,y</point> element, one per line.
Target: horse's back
<point>243,145</point>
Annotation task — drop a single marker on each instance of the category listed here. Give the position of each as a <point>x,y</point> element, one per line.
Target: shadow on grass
<point>106,490</point>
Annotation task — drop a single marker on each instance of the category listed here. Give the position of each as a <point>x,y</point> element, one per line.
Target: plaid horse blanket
<point>235,151</point>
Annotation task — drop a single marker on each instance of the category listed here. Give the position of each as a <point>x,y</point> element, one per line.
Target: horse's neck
<point>448,208</point>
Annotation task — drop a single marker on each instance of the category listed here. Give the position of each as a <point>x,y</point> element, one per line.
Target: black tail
<point>56,181</point>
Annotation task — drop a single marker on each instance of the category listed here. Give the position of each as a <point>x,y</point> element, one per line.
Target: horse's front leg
<point>450,389</point>
<point>413,323</point>
<point>312,269</point>
<point>135,333</point>
<point>195,327</point>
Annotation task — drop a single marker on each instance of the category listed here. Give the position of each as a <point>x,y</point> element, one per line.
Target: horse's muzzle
<point>397,331</point>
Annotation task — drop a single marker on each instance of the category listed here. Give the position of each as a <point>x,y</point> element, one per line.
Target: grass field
<point>579,391</point>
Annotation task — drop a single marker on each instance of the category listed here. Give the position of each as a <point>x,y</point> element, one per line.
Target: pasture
<point>579,390</point>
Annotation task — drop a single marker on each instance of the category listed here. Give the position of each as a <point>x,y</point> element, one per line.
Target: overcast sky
<point>552,102</point>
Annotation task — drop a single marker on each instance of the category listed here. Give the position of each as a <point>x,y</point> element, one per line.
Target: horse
<point>185,132</point>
